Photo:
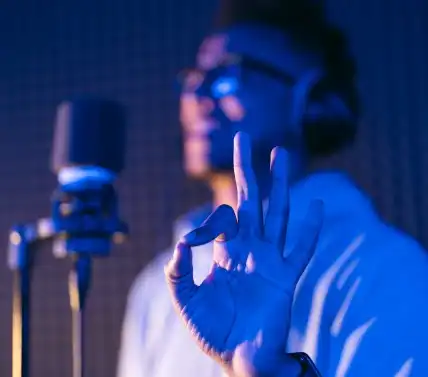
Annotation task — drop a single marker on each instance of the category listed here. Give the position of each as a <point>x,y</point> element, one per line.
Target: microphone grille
<point>89,132</point>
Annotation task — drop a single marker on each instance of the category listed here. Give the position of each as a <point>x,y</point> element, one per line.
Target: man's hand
<point>240,314</point>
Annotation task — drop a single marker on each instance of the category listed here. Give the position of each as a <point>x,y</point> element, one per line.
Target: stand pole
<point>21,323</point>
<point>20,262</point>
<point>79,282</point>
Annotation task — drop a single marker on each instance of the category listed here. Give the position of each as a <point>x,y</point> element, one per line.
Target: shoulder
<point>406,271</point>
<point>383,276</point>
<point>385,307</point>
<point>391,260</point>
<point>389,284</point>
<point>397,250</point>
<point>377,243</point>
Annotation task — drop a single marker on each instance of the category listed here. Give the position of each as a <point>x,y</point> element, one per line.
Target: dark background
<point>130,50</point>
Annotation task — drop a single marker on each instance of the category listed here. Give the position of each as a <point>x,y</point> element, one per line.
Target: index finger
<point>220,224</point>
<point>249,204</point>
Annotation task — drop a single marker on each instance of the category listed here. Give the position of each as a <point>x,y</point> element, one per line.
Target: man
<point>240,315</point>
<point>282,74</point>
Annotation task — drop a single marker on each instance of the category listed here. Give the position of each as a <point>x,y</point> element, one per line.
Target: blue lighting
<point>224,86</point>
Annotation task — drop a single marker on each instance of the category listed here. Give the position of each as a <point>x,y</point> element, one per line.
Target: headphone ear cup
<point>328,124</point>
<point>323,103</point>
<point>318,90</point>
<point>326,136</point>
<point>302,94</point>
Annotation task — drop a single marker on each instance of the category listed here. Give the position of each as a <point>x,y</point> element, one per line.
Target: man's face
<point>222,96</point>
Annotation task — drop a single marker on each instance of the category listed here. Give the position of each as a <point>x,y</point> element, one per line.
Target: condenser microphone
<point>88,154</point>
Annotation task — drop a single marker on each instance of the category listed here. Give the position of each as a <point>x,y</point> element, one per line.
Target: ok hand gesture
<point>240,314</point>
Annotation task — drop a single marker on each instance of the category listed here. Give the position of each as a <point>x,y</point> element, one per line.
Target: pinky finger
<point>302,253</point>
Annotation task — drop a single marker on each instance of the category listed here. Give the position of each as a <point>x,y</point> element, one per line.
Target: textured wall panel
<point>130,50</point>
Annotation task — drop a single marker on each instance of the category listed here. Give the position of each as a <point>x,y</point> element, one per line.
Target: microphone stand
<point>78,286</point>
<point>19,263</point>
<point>83,224</point>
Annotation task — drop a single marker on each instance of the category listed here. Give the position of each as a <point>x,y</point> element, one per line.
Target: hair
<point>305,22</point>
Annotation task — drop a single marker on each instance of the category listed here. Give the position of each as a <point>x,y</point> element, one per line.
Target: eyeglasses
<point>227,76</point>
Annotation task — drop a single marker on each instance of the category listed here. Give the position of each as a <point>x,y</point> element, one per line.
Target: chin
<point>202,159</point>
<point>202,168</point>
<point>197,167</point>
<point>196,158</point>
<point>200,175</point>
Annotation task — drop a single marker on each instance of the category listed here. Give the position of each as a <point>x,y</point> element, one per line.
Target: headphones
<point>311,99</point>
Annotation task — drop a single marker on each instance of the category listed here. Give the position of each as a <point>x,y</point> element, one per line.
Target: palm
<point>218,313</point>
<point>248,294</point>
